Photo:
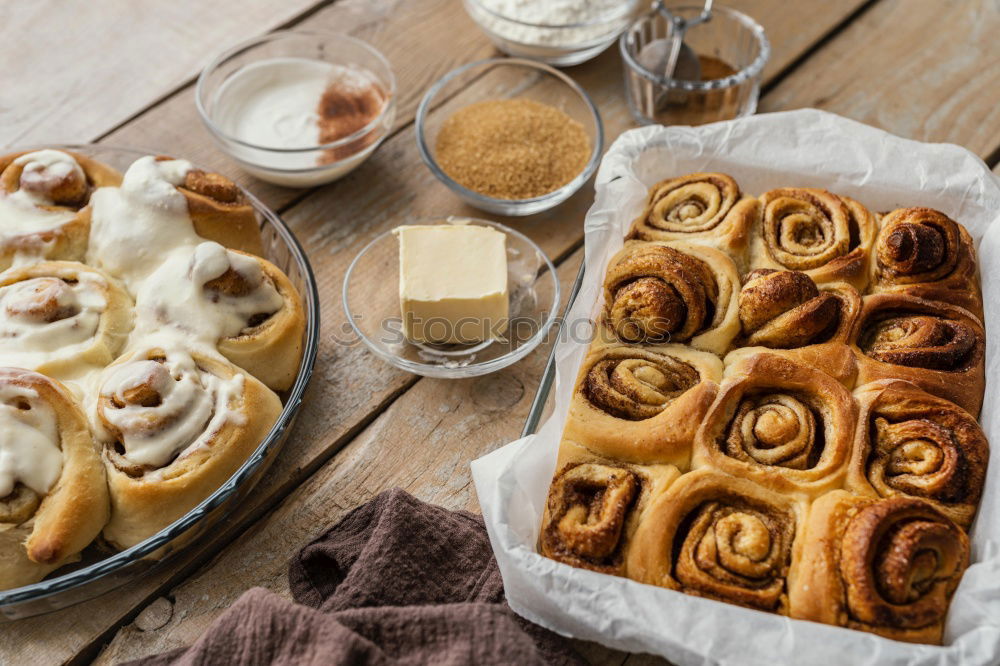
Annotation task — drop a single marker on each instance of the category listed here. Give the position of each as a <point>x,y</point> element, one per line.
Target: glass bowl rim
<point>245,45</point>
<point>557,195</point>
<point>92,572</point>
<point>607,17</point>
<point>473,369</point>
<point>743,75</point>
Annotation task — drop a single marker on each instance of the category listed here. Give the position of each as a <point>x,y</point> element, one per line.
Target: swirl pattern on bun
<point>719,537</point>
<point>887,566</point>
<point>811,230</point>
<point>924,253</point>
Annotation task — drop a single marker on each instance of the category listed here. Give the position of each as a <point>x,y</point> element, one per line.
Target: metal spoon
<point>670,56</point>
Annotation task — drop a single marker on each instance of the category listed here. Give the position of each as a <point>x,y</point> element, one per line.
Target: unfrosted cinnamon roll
<point>642,404</point>
<point>220,211</point>
<point>240,302</point>
<point>938,347</point>
<point>594,506</point>
<point>924,253</point>
<point>44,198</point>
<point>61,317</point>
<point>814,231</point>
<point>53,493</point>
<point>174,426</point>
<point>887,566</point>
<point>787,426</point>
<point>719,537</point>
<point>705,208</point>
<point>910,443</point>
<point>786,312</point>
<point>672,292</point>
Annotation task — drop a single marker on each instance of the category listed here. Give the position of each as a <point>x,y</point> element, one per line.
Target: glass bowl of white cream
<point>556,32</point>
<point>298,109</point>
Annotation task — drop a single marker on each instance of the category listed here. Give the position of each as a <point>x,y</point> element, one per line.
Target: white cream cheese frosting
<point>191,405</point>
<point>134,226</point>
<point>28,210</point>
<point>176,295</point>
<point>47,318</point>
<point>142,235</point>
<point>29,441</point>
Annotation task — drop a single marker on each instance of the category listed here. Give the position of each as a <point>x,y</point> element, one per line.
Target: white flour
<point>606,16</point>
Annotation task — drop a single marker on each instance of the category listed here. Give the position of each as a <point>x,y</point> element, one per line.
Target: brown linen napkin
<point>397,581</point>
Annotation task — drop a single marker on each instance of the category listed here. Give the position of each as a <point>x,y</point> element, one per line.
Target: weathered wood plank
<point>350,385</point>
<point>793,31</point>
<point>84,67</point>
<point>926,71</point>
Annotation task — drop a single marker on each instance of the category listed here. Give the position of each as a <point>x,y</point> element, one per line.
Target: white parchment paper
<point>807,148</point>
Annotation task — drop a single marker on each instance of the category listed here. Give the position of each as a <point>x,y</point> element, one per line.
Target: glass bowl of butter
<point>451,298</point>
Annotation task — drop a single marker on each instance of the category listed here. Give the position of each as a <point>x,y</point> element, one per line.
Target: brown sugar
<point>512,148</point>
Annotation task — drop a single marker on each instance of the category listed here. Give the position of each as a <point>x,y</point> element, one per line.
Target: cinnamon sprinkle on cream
<point>348,104</point>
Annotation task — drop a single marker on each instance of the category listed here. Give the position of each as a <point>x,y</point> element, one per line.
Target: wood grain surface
<point>922,70</point>
<point>366,427</point>
<point>81,67</point>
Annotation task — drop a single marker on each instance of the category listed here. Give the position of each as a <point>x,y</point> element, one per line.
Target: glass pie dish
<point>100,570</point>
<point>373,310</point>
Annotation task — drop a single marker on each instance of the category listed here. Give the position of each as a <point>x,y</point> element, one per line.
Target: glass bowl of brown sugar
<point>509,136</point>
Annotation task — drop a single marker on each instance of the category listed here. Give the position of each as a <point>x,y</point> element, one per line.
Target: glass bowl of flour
<point>557,32</point>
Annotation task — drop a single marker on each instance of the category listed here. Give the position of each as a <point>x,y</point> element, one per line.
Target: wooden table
<point>122,73</point>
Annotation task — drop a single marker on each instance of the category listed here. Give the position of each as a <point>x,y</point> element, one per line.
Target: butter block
<point>452,283</point>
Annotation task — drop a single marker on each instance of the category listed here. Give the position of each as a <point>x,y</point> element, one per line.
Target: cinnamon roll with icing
<point>910,443</point>
<point>719,537</point>
<point>44,197</point>
<point>887,566</point>
<point>174,426</point>
<point>938,347</point>
<point>594,506</point>
<point>53,493</point>
<point>172,418</point>
<point>672,292</point>
<point>642,404</point>
<point>787,426</point>
<point>924,253</point>
<point>240,302</point>
<point>61,318</point>
<point>705,208</point>
<point>817,232</point>
<point>163,205</point>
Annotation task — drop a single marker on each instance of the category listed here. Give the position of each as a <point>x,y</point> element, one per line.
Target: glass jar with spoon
<point>690,65</point>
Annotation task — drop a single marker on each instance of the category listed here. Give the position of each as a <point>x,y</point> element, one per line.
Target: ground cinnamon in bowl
<point>512,148</point>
